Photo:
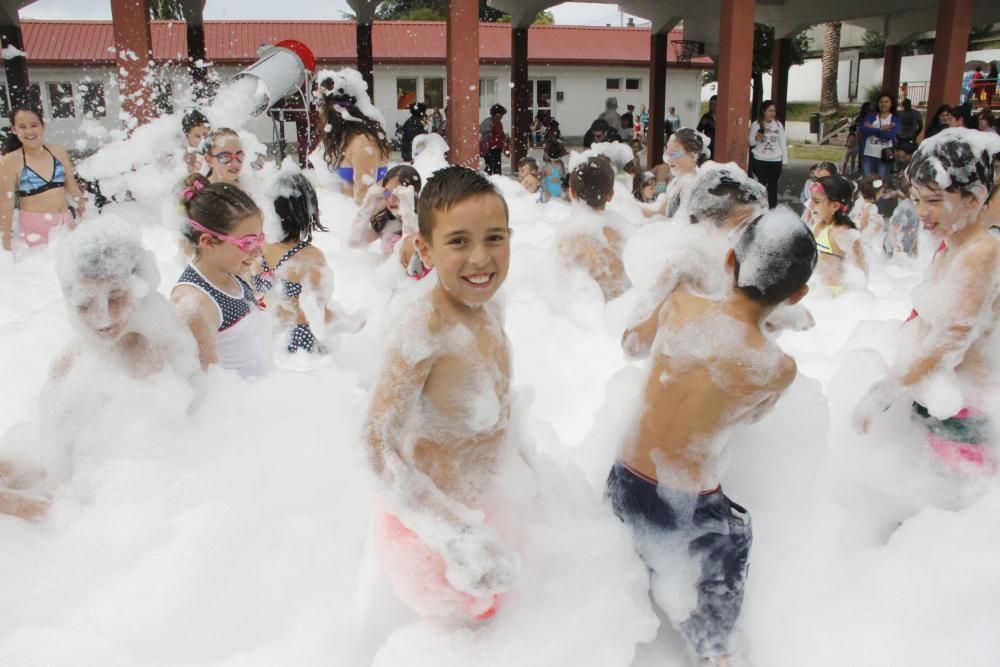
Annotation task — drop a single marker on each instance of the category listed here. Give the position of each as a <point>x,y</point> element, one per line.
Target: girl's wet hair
<point>406,175</point>
<point>691,141</point>
<point>215,206</point>
<point>298,208</point>
<point>951,158</point>
<point>870,186</point>
<point>640,181</point>
<point>838,190</point>
<point>340,131</point>
<point>12,143</point>
<point>554,150</point>
<point>827,166</point>
<point>214,137</point>
<point>593,181</point>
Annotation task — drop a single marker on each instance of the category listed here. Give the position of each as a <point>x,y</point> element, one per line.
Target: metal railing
<point>915,91</point>
<point>984,94</point>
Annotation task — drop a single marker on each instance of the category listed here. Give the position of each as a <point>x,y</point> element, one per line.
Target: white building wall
<point>804,80</point>
<point>583,88</point>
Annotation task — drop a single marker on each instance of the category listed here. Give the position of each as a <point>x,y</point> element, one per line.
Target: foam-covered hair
<point>775,256</point>
<point>108,250</point>
<point>720,187</point>
<point>956,160</point>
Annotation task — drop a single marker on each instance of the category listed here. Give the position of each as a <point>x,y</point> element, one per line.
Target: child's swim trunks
<point>718,536</point>
<point>962,442</point>
<point>418,574</point>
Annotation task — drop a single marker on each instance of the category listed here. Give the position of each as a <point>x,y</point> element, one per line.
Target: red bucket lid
<point>302,51</point>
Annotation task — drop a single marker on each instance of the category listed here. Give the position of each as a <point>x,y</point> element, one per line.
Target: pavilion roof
<point>57,43</point>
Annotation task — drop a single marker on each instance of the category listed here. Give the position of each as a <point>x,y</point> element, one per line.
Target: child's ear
<point>611,195</point>
<point>422,248</point>
<point>731,260</point>
<point>799,294</point>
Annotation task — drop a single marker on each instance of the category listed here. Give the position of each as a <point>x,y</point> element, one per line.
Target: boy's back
<point>709,372</point>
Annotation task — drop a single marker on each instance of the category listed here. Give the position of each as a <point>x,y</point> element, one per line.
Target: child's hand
<point>879,398</point>
<point>478,564</point>
<point>407,208</point>
<point>373,199</point>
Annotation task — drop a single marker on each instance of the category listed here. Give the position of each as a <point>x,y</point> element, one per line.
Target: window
<point>4,104</point>
<point>406,92</point>
<point>163,97</point>
<point>92,97</point>
<point>633,84</point>
<point>614,84</point>
<point>434,93</point>
<point>61,100</point>
<point>487,94</point>
<point>543,96</point>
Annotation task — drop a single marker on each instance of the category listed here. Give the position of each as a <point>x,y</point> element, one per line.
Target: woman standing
<point>940,121</point>
<point>354,142</point>
<point>40,174</point>
<point>878,133</point>
<point>768,150</point>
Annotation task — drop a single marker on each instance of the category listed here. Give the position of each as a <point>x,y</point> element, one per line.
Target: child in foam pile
<point>120,321</point>
<point>437,423</point>
<point>951,332</point>
<point>597,250</point>
<point>712,368</point>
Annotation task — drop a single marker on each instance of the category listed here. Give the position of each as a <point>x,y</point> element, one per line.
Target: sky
<point>568,13</point>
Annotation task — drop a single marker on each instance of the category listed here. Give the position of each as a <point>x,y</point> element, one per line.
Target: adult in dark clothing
<point>707,124</point>
<point>910,122</point>
<point>600,131</point>
<point>493,140</point>
<point>940,121</point>
<point>413,127</point>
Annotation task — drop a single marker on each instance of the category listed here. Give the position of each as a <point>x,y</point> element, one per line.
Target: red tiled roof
<point>236,42</point>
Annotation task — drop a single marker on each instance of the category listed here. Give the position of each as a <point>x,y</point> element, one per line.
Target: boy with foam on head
<point>437,424</point>
<point>712,369</point>
<point>120,321</point>
<point>596,239</point>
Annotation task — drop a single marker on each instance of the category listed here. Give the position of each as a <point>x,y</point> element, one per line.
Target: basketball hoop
<point>686,49</point>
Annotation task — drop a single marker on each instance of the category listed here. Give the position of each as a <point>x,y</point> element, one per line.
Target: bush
<point>872,93</point>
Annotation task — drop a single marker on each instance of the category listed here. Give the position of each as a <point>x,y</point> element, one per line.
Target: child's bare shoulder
<point>785,374</point>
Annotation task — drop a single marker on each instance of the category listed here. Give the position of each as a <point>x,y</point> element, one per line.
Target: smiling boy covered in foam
<point>437,423</point>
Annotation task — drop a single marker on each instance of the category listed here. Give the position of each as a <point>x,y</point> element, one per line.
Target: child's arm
<point>72,187</point>
<point>18,505</point>
<point>8,188</point>
<point>200,313</point>
<point>361,231</point>
<point>945,345</point>
<point>475,558</point>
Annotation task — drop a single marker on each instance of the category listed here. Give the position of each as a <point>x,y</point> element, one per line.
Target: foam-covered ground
<point>236,532</point>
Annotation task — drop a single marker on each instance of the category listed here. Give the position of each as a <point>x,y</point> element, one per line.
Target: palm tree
<point>831,59</point>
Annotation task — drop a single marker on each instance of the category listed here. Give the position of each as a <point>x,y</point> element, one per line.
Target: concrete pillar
<point>657,97</point>
<point>732,117</point>
<point>521,112</point>
<point>16,69</point>
<point>891,67</point>
<point>366,61</point>
<point>954,21</point>
<point>463,82</point>
<point>781,60</point>
<point>130,24</point>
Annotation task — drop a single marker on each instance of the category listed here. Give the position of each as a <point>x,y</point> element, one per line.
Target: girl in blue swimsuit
<point>355,146</point>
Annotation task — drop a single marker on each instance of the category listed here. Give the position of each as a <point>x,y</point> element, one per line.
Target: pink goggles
<point>247,243</point>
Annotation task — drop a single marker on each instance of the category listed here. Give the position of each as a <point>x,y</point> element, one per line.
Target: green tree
<point>160,10</point>
<point>873,45</point>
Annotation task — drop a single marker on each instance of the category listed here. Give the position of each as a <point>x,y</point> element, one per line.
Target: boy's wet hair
<point>960,158</point>
<point>841,191</point>
<point>593,181</point>
<point>447,188</point>
<point>717,192</point>
<point>297,207</point>
<point>215,206</point>
<point>191,119</point>
<point>780,252</point>
<point>870,185</point>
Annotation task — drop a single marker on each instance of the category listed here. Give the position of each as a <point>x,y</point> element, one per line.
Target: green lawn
<point>816,153</point>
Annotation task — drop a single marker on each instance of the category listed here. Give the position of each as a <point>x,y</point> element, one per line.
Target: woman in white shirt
<point>768,150</point>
